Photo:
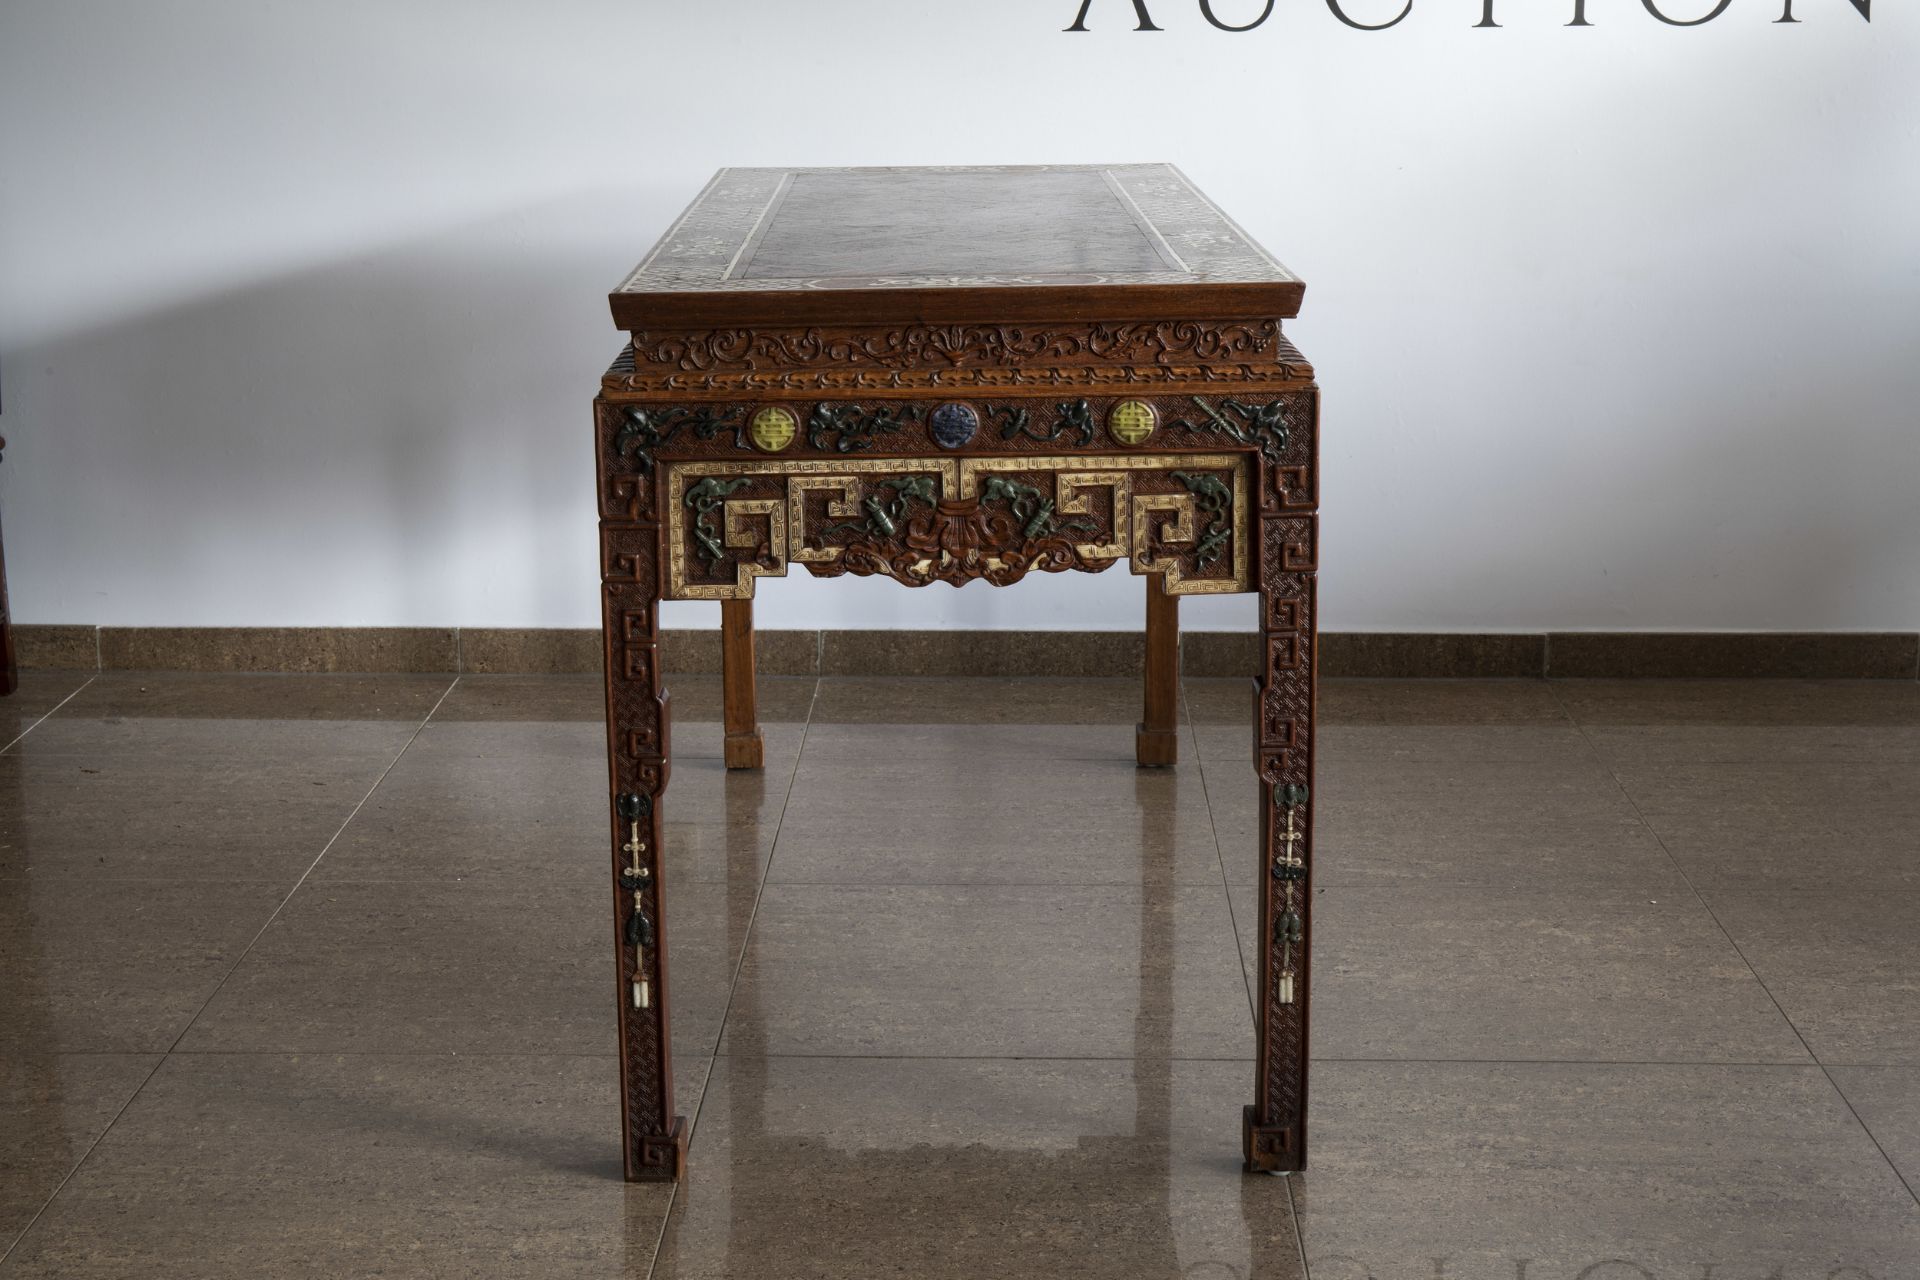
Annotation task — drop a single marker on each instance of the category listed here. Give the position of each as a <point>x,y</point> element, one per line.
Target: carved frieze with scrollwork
<point>959,357</point>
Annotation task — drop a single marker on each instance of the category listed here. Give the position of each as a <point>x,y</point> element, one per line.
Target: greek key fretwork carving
<point>1187,517</point>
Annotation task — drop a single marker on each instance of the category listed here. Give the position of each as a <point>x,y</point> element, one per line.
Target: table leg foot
<point>1270,1149</point>
<point>745,750</point>
<point>660,1157</point>
<point>1155,748</point>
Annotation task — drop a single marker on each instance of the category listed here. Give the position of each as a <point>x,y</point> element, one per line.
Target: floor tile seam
<point>712,1055</point>
<point>1866,1129</point>
<point>84,1156</point>
<point>311,866</point>
<point>1706,906</point>
<point>1219,852</point>
<point>42,719</point>
<point>746,943</point>
<point>1299,1236</point>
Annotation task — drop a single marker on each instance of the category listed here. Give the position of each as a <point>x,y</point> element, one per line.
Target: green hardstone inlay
<point>645,430</point>
<point>884,517</point>
<point>705,499</point>
<point>1264,425</point>
<point>850,429</point>
<point>1215,501</point>
<point>1075,416</point>
<point>1033,509</point>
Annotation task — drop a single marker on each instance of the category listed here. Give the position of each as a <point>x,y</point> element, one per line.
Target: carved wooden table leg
<point>744,746</point>
<point>638,731</point>
<point>1276,1133</point>
<point>1156,742</point>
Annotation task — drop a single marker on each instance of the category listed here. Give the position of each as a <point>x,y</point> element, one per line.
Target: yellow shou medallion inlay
<point>1132,421</point>
<point>773,429</point>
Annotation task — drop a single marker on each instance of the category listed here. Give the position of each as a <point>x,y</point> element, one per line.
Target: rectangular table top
<point>772,247</point>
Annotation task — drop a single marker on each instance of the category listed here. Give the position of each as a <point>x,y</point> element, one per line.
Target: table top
<point>767,247</point>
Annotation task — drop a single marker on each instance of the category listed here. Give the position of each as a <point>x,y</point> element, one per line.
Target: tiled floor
<point>309,976</point>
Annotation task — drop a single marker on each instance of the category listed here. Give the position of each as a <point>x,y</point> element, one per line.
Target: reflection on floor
<point>311,976</point>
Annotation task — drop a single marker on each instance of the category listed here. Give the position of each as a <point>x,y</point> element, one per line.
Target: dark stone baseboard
<point>1572,655</point>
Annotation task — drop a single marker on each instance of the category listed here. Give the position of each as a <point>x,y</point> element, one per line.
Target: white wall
<point>302,305</point>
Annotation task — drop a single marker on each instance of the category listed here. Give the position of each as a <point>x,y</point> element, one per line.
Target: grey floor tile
<point>1777,826</point>
<point>317,1166</point>
<point>862,1167</point>
<point>52,1108</point>
<point>187,695</point>
<point>1887,1100</point>
<point>1556,1171</point>
<point>1844,966</point>
<point>1554,823</point>
<point>324,747</point>
<point>583,699</point>
<point>1448,973</point>
<point>1383,721</point>
<point>577,699</point>
<point>479,966</point>
<point>988,804</point>
<point>1219,702</point>
<point>119,965</point>
<point>182,799</point>
<point>1751,721</point>
<point>983,700</point>
<point>778,699</point>
<point>1023,971</point>
<point>40,691</point>
<point>528,798</point>
<point>1455,705</point>
<point>1440,703</point>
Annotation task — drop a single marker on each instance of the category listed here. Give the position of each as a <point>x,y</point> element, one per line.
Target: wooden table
<point>950,375</point>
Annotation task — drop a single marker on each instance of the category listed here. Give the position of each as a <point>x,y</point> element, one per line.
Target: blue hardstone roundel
<point>953,425</point>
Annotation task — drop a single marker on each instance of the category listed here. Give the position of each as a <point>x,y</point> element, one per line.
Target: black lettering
<point>1579,14</point>
<point>1341,14</point>
<point>1206,11</point>
<point>1139,9</point>
<point>1654,9</point>
<point>1864,6</point>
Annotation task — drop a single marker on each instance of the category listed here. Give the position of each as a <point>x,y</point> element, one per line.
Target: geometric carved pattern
<point>955,519</point>
<point>638,751</point>
<point>1283,753</point>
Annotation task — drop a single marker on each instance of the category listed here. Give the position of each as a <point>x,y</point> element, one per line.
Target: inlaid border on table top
<point>693,276</point>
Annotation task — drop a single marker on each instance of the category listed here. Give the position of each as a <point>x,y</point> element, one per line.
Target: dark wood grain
<point>1156,743</point>
<point>744,747</point>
